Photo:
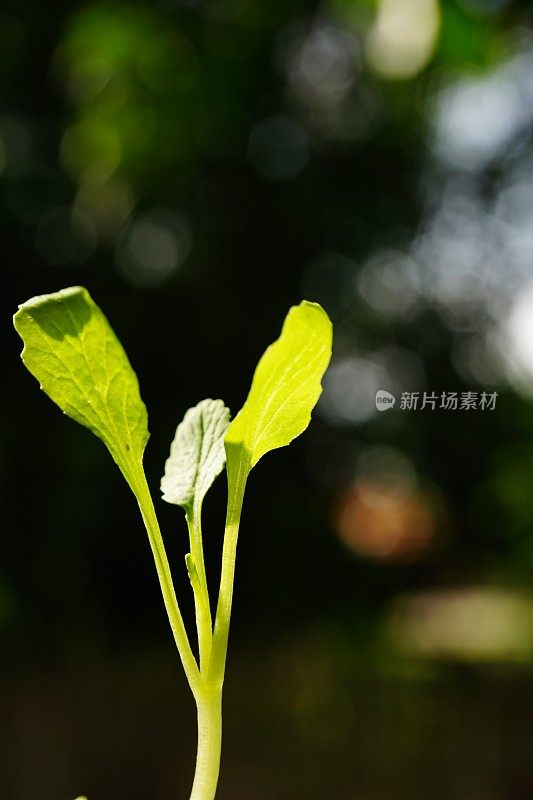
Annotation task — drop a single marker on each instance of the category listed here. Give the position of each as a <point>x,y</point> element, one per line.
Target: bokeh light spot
<point>322,63</point>
<point>91,148</point>
<point>404,37</point>
<point>352,381</point>
<point>385,520</point>
<point>154,247</point>
<point>390,283</point>
<point>474,624</point>
<point>278,148</point>
<point>478,117</point>
<point>109,204</point>
<point>516,341</point>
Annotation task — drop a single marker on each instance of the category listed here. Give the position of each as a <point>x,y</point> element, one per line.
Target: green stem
<point>209,705</point>
<point>201,593</point>
<point>206,682</point>
<point>144,498</point>
<point>219,648</point>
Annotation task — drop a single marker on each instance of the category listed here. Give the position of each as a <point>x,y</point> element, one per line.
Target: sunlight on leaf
<point>285,387</point>
<point>73,352</point>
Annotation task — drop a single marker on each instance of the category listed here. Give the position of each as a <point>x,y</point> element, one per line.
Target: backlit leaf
<point>73,352</point>
<point>285,387</point>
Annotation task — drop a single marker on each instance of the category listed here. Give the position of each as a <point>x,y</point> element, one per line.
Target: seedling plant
<point>73,352</point>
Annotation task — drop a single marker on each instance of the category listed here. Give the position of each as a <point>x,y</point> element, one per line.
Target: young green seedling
<point>71,349</point>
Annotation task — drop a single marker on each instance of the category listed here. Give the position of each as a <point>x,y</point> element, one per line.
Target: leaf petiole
<point>199,585</point>
<point>146,506</point>
<point>236,488</point>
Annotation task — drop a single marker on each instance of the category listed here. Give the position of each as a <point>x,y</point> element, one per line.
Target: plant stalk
<point>146,506</point>
<point>201,594</point>
<point>219,648</point>
<point>209,706</point>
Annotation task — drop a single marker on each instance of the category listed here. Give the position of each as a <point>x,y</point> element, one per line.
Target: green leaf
<point>285,387</point>
<point>196,455</point>
<point>73,352</point>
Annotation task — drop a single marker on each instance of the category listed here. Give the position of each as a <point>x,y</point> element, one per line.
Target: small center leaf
<point>196,455</point>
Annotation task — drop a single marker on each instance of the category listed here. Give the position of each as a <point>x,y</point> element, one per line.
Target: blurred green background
<point>200,165</point>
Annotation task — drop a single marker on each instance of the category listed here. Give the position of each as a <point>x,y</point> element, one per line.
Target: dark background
<point>199,166</point>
